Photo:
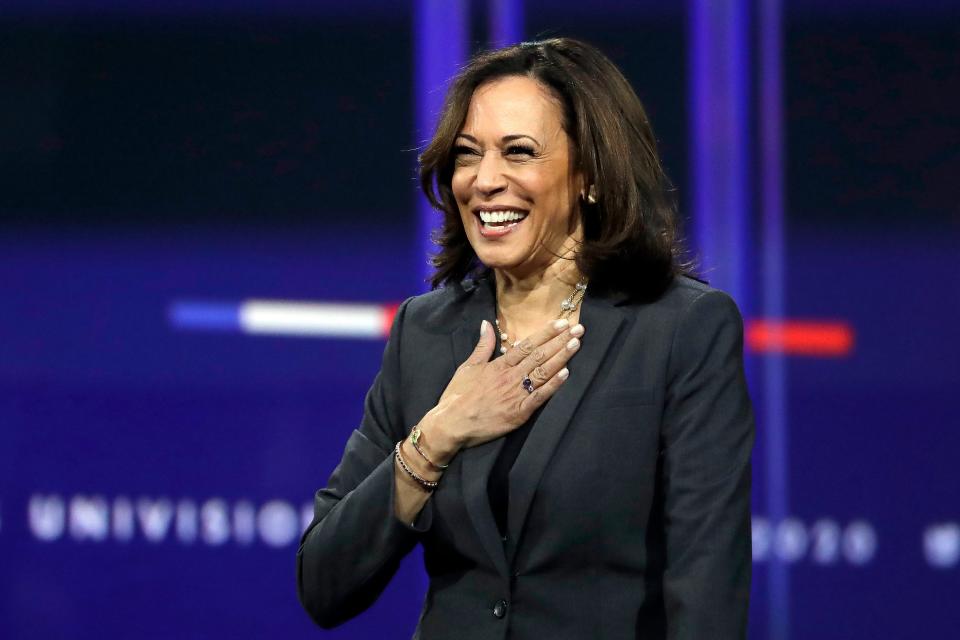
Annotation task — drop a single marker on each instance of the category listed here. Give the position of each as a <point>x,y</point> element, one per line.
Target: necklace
<point>567,306</point>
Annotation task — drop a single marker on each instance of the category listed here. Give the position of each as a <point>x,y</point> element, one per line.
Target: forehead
<point>513,105</point>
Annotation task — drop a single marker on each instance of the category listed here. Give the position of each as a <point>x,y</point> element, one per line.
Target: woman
<point>592,479</point>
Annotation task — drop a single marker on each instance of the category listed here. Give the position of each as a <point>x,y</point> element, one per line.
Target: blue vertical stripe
<point>719,75</point>
<point>770,23</point>
<point>506,24</point>
<point>441,32</point>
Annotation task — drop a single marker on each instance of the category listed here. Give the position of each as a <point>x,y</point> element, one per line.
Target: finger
<point>529,404</point>
<point>529,344</point>
<point>566,344</point>
<point>484,349</point>
<point>543,371</point>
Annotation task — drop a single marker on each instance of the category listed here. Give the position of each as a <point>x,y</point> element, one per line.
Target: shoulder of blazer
<point>679,295</point>
<point>441,310</point>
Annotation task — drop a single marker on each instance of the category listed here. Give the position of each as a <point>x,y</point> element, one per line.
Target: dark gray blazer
<point>629,503</point>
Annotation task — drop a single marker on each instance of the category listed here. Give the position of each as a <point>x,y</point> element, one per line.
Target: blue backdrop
<point>155,473</point>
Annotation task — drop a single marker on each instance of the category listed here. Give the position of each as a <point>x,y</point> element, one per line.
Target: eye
<point>519,150</point>
<point>463,150</point>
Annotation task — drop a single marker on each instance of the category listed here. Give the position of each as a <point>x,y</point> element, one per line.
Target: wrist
<point>416,462</point>
<point>424,481</point>
<point>436,442</point>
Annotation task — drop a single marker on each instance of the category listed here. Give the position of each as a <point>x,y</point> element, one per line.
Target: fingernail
<point>483,327</point>
<point>559,325</point>
<point>573,344</point>
<point>563,374</point>
<point>577,330</point>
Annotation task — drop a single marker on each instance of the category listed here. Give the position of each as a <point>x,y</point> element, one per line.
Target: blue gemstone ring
<point>527,384</point>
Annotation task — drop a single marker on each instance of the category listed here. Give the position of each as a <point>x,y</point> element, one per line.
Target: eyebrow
<point>509,138</point>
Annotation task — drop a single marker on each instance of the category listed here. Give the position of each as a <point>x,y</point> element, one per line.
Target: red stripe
<point>389,313</point>
<point>832,339</point>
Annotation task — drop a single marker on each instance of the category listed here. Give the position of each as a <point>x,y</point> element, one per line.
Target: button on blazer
<point>629,502</point>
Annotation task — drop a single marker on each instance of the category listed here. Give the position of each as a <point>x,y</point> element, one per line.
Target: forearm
<point>707,579</point>
<point>355,542</point>
<point>411,496</point>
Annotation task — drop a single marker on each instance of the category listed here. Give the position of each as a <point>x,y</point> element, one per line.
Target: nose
<point>490,179</point>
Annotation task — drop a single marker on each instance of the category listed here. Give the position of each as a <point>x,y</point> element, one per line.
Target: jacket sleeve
<point>707,438</point>
<point>355,543</point>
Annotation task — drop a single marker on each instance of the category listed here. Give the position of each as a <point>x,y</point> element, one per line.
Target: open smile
<point>496,223</point>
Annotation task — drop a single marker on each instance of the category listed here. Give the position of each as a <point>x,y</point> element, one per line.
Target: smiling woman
<point>572,110</point>
<point>514,182</point>
<point>594,480</point>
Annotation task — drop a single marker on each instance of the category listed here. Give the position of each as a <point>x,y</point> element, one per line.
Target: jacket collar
<point>602,319</point>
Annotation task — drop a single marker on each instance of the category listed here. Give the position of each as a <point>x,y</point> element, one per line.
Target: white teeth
<point>502,216</point>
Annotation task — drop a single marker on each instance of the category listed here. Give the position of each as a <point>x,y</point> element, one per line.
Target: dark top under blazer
<point>629,502</point>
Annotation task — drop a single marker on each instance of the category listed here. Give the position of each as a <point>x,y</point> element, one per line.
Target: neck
<point>535,298</point>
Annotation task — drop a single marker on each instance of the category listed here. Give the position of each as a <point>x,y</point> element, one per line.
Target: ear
<point>580,181</point>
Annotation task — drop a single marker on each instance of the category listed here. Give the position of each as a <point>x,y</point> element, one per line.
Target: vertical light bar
<point>441,32</point>
<point>770,25</point>
<point>505,22</point>
<point>720,77</point>
<point>719,72</point>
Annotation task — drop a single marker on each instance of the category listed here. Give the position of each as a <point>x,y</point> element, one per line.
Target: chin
<point>500,259</point>
<point>520,267</point>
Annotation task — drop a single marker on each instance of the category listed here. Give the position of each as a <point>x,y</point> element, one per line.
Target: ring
<point>527,384</point>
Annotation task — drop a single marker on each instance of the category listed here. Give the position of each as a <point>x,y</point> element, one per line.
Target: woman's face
<point>513,180</point>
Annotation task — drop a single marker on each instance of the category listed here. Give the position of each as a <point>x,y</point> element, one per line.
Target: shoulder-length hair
<point>630,240</point>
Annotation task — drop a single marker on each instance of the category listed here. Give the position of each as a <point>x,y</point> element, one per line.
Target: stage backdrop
<point>209,219</point>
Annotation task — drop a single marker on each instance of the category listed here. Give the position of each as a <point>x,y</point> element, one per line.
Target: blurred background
<point>209,212</point>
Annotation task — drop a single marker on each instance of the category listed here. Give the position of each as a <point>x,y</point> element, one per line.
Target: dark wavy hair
<point>630,240</point>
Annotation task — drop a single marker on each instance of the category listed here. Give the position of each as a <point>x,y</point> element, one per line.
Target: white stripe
<point>280,317</point>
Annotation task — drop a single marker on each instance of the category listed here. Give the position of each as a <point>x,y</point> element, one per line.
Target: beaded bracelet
<point>428,485</point>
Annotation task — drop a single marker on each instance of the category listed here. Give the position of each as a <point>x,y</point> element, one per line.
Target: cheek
<point>459,183</point>
<point>460,196</point>
<point>560,211</point>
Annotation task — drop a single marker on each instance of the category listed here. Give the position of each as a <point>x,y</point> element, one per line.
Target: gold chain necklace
<point>567,306</point>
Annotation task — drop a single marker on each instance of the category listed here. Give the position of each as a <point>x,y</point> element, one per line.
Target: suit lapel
<point>476,462</point>
<point>602,321</point>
